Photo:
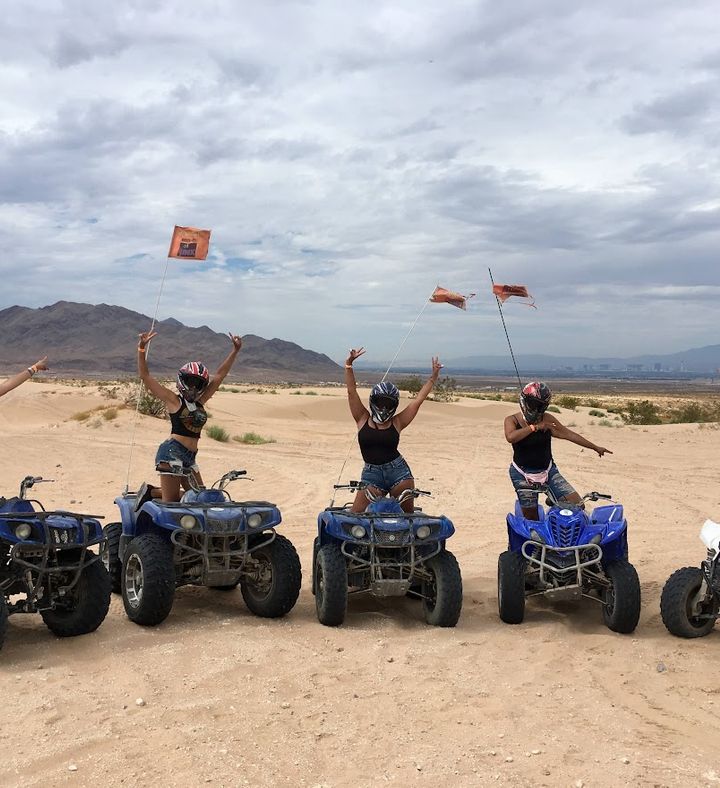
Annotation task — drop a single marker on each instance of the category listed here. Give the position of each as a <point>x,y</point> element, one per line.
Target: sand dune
<point>235,700</point>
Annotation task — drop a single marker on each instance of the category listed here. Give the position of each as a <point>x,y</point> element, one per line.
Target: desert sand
<point>232,700</point>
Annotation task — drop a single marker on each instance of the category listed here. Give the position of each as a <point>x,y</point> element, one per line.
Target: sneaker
<point>143,495</point>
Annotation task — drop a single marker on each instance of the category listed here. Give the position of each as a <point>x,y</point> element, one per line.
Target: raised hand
<point>144,339</point>
<point>354,353</point>
<point>42,364</point>
<point>436,367</point>
<point>236,340</point>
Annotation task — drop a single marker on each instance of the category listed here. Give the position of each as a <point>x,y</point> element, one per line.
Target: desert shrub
<point>138,397</point>
<point>412,384</point>
<point>567,402</point>
<point>83,415</point>
<point>445,390</point>
<point>593,403</point>
<point>108,391</point>
<point>553,409</point>
<point>695,412</point>
<point>643,412</point>
<point>605,423</point>
<point>109,414</point>
<point>217,433</point>
<point>599,413</point>
<point>252,438</point>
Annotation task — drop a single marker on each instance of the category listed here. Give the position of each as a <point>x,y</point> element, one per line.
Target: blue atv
<point>206,539</point>
<point>568,554</point>
<point>45,558</point>
<point>690,600</point>
<point>386,552</point>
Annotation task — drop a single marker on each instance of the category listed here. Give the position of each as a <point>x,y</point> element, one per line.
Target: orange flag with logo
<point>443,296</point>
<point>503,292</point>
<point>189,243</point>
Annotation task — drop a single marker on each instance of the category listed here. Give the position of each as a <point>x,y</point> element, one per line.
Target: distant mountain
<point>101,339</point>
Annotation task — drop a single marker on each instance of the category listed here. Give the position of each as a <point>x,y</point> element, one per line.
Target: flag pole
<point>402,344</point>
<point>140,383</point>
<point>507,336</point>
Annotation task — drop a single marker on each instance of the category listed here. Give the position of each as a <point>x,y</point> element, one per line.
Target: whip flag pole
<point>187,243</point>
<point>502,318</point>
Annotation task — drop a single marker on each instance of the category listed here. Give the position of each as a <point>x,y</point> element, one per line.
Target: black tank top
<point>189,420</point>
<point>534,452</point>
<point>378,446</point>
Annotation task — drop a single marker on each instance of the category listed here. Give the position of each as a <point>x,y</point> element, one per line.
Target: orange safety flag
<point>443,296</point>
<point>503,292</point>
<point>189,243</point>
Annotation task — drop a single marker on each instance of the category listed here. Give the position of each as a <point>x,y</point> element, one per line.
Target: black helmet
<point>534,400</point>
<point>384,399</point>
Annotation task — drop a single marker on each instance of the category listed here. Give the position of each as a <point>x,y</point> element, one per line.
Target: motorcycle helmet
<point>192,380</point>
<point>534,400</point>
<point>384,399</point>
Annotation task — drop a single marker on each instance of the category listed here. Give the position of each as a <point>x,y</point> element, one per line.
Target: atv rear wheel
<point>111,554</point>
<point>442,595</point>
<point>511,587</point>
<point>3,618</point>
<point>621,602</point>
<point>274,590</point>
<point>331,586</point>
<point>85,606</point>
<point>682,613</point>
<point>148,580</point>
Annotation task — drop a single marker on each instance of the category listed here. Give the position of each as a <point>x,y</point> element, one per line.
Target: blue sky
<point>350,156</point>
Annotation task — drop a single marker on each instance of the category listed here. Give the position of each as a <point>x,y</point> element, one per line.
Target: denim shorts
<point>386,476</point>
<point>173,451</point>
<point>528,497</point>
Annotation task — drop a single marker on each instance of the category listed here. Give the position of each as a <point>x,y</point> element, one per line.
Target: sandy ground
<point>231,699</point>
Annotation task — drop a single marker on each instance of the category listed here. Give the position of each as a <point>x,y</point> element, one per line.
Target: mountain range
<point>101,340</point>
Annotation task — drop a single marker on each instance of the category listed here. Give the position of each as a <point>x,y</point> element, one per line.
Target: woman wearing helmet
<point>531,432</point>
<point>379,429</point>
<point>187,414</point>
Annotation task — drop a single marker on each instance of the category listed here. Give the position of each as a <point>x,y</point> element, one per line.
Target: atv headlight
<point>188,522</point>
<point>23,531</point>
<point>596,539</point>
<point>358,532</point>
<point>254,520</point>
<point>535,536</point>
<point>423,532</point>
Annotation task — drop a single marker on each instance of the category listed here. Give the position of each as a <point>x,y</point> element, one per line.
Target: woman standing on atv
<point>531,432</point>
<point>385,471</point>
<point>187,418</point>
<point>21,377</point>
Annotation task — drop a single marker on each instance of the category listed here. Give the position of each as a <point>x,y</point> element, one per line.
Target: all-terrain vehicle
<point>386,552</point>
<point>568,554</point>
<point>690,599</point>
<point>206,539</point>
<point>46,560</point>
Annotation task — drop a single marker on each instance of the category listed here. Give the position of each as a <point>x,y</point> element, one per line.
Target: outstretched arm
<point>408,413</point>
<point>513,433</point>
<point>21,377</point>
<point>170,398</point>
<point>359,412</point>
<point>558,430</point>
<point>223,369</point>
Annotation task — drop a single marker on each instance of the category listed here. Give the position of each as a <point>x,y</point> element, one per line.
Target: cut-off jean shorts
<point>528,497</point>
<point>386,476</point>
<point>173,451</point>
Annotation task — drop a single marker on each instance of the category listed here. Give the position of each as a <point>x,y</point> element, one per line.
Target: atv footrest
<point>563,593</point>
<point>389,587</point>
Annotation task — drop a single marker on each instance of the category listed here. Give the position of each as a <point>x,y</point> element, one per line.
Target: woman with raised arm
<point>21,377</point>
<point>531,432</point>
<point>385,471</point>
<point>187,414</point>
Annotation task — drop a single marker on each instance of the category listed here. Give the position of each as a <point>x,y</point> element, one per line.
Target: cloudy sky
<point>350,156</point>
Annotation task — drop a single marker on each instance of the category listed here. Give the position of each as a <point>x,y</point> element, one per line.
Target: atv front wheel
<point>331,586</point>
<point>84,608</point>
<point>511,587</point>
<point>275,586</point>
<point>442,594</point>
<point>148,580</point>
<point>3,618</point>
<point>111,554</point>
<point>682,612</point>
<point>621,602</point>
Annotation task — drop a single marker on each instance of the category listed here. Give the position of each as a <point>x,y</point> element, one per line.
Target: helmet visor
<point>192,385</point>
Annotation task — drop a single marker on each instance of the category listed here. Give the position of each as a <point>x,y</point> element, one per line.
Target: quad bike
<point>690,599</point>
<point>386,552</point>
<point>46,560</point>
<point>205,539</point>
<point>569,553</point>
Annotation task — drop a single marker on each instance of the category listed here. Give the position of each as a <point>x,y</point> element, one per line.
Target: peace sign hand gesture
<point>144,339</point>
<point>236,340</point>
<point>354,354</point>
<point>436,367</point>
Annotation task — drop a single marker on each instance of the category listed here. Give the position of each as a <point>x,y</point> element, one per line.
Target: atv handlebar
<point>30,481</point>
<point>404,495</point>
<point>551,500</point>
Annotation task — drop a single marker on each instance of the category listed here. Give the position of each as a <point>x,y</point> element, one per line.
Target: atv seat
<point>204,496</point>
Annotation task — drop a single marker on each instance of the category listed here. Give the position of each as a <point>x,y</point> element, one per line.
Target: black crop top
<point>378,446</point>
<point>533,453</point>
<point>189,420</point>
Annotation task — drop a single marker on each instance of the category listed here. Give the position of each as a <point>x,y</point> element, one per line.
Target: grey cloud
<point>70,50</point>
<point>676,113</point>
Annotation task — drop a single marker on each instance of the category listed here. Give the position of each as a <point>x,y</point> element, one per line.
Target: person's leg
<point>562,489</point>
<point>526,496</point>
<point>408,505</point>
<point>170,487</point>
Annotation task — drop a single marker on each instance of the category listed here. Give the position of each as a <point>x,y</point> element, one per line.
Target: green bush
<point>217,433</point>
<point>593,403</point>
<point>445,390</point>
<point>252,438</point>
<point>553,409</point>
<point>109,414</point>
<point>146,403</point>
<point>567,402</point>
<point>644,412</point>
<point>599,413</point>
<point>412,384</point>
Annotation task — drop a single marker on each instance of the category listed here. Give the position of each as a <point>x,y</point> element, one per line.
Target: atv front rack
<point>582,557</point>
